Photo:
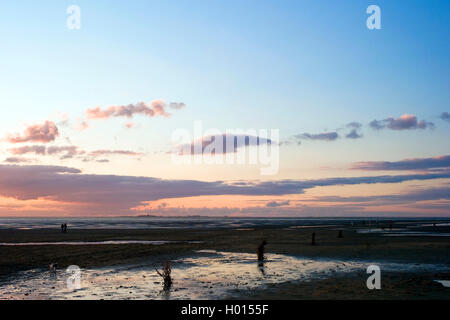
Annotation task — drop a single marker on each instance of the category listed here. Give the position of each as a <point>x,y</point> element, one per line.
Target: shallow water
<point>417,234</point>
<point>188,222</point>
<point>432,225</point>
<point>87,243</point>
<point>445,283</point>
<point>397,232</point>
<point>207,275</point>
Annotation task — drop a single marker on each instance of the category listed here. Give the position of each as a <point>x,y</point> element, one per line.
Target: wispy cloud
<point>445,116</point>
<point>325,136</point>
<point>102,153</point>
<point>28,149</point>
<point>17,160</point>
<point>404,122</point>
<point>355,130</point>
<point>177,105</point>
<point>65,152</point>
<point>111,193</point>
<point>433,193</point>
<point>354,134</point>
<point>275,204</point>
<point>154,108</point>
<point>407,164</point>
<point>354,125</point>
<point>68,152</point>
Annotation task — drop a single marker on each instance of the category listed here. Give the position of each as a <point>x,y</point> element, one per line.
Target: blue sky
<point>314,58</point>
<point>297,66</point>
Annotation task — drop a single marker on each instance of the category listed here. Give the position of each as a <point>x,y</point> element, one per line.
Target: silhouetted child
<point>313,239</point>
<point>167,270</point>
<point>53,267</point>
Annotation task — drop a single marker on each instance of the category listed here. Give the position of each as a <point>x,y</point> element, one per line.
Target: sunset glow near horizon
<point>363,115</point>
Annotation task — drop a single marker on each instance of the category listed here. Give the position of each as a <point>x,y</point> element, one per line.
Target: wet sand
<point>420,260</point>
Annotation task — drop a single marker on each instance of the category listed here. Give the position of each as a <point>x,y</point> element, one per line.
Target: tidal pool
<point>445,283</point>
<point>205,275</point>
<point>87,243</point>
<point>403,232</point>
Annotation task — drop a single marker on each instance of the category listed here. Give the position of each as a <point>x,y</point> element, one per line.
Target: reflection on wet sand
<point>206,275</point>
<point>261,267</point>
<point>88,243</point>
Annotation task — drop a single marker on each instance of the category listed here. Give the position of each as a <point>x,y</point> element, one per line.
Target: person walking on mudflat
<point>260,250</point>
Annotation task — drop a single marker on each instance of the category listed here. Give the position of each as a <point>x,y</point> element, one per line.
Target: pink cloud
<point>44,133</point>
<point>28,149</point>
<point>113,194</point>
<point>17,160</point>
<point>82,125</point>
<point>67,151</point>
<point>154,108</point>
<point>129,125</point>
<point>98,153</point>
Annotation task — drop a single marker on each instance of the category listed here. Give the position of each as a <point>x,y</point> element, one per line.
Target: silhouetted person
<point>260,250</point>
<point>53,267</point>
<point>340,234</point>
<point>65,228</point>
<point>62,228</point>
<point>167,270</point>
<point>313,239</point>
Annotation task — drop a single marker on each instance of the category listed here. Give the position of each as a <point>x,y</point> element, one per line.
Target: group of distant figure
<point>64,228</point>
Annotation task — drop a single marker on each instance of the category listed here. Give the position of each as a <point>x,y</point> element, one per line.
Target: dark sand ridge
<point>355,246</point>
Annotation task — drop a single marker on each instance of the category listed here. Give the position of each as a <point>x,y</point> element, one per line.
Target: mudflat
<point>427,245</point>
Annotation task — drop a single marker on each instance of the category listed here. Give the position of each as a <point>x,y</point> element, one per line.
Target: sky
<point>352,121</point>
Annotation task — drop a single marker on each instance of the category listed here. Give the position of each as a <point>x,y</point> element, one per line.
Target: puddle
<point>395,232</point>
<point>378,230</point>
<point>318,226</point>
<point>207,275</point>
<point>87,243</point>
<point>417,234</point>
<point>443,224</point>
